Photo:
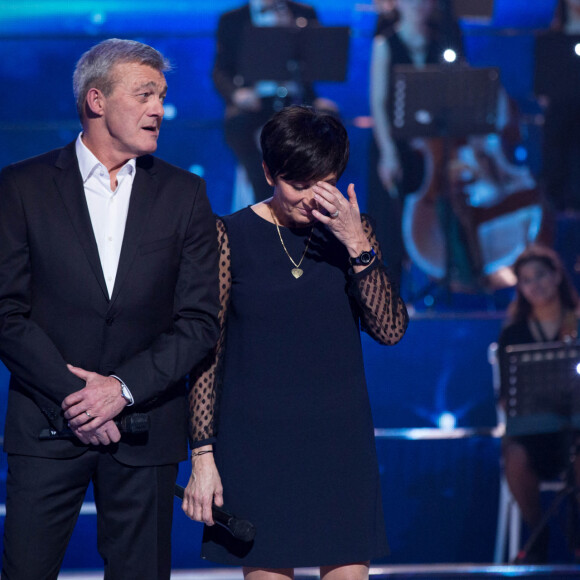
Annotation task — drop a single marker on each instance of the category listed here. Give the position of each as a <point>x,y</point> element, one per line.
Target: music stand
<point>446,101</point>
<point>530,406</point>
<point>557,66</point>
<point>279,53</point>
<point>472,9</point>
<point>543,396</point>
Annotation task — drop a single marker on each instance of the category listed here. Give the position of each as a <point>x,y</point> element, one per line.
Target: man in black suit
<point>108,262</point>
<point>249,105</point>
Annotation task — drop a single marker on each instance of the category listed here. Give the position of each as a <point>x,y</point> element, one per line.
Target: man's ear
<point>269,179</point>
<point>94,102</point>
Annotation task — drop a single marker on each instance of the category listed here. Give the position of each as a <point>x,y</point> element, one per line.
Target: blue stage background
<point>440,496</point>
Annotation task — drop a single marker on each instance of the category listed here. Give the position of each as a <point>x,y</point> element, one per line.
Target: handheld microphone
<point>241,529</point>
<point>130,424</point>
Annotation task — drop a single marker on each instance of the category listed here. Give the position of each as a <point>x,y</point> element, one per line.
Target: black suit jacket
<point>232,26</point>
<point>160,321</point>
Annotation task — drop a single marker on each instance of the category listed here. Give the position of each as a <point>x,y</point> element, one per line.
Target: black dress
<point>294,442</point>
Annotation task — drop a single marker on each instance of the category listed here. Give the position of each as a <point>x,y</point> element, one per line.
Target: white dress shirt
<point>108,209</point>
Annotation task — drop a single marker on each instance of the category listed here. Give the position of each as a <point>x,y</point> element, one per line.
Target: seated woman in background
<point>544,309</point>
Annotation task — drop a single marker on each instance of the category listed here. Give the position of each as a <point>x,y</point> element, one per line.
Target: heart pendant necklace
<point>297,271</point>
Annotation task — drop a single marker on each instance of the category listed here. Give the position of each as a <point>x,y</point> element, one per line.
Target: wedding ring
<point>335,214</point>
<point>88,415</point>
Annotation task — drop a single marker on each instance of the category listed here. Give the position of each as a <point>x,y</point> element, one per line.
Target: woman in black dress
<point>544,309</point>
<point>291,438</point>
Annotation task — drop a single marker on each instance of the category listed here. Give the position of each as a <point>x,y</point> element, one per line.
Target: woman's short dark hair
<point>520,308</point>
<point>301,144</point>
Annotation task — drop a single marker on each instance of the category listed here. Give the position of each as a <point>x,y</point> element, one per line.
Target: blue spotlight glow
<point>577,49</point>
<point>520,153</point>
<point>447,421</point>
<point>197,169</point>
<point>578,369</point>
<point>170,111</point>
<point>98,18</point>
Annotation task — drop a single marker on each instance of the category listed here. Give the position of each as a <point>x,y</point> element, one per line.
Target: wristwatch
<point>125,392</point>
<point>364,259</point>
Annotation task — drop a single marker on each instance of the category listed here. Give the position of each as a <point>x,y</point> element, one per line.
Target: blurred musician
<point>417,37</point>
<point>250,105</point>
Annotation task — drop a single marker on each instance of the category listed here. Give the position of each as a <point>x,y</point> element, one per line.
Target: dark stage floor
<point>440,571</point>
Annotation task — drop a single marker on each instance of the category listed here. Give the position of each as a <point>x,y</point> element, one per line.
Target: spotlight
<point>521,153</point>
<point>197,169</point>
<point>449,55</point>
<point>170,111</point>
<point>577,49</point>
<point>578,369</point>
<point>98,18</point>
<point>447,421</point>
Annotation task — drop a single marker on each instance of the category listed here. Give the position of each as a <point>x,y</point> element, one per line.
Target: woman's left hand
<point>203,490</point>
<point>342,216</point>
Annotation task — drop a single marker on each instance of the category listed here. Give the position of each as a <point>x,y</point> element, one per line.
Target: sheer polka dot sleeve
<point>205,378</point>
<point>382,312</point>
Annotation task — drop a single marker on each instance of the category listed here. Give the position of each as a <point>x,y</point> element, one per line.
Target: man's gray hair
<point>94,68</point>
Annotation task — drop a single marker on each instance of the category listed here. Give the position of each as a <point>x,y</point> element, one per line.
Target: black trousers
<point>134,515</point>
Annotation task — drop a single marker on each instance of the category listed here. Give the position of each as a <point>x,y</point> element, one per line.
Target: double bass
<point>498,206</point>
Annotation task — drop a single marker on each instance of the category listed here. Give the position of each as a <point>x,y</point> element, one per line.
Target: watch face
<point>365,258</point>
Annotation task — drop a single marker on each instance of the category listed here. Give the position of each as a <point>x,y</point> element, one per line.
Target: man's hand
<point>90,411</point>
<point>103,435</point>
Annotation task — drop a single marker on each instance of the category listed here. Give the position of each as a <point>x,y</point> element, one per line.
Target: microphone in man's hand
<point>133,424</point>
<point>241,529</point>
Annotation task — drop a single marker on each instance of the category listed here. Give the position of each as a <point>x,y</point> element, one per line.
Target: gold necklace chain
<point>296,271</point>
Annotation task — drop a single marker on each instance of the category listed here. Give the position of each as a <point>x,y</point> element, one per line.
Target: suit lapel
<point>143,194</point>
<point>70,186</point>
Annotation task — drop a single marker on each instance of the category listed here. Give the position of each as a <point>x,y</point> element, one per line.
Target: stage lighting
<point>98,18</point>
<point>282,92</point>
<point>197,169</point>
<point>449,55</point>
<point>170,111</point>
<point>447,421</point>
<point>520,153</point>
<point>577,49</point>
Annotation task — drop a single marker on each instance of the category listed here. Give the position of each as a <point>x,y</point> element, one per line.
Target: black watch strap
<point>364,259</point>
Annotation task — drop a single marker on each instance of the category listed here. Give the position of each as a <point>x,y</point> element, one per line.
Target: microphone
<point>241,529</point>
<point>133,424</point>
